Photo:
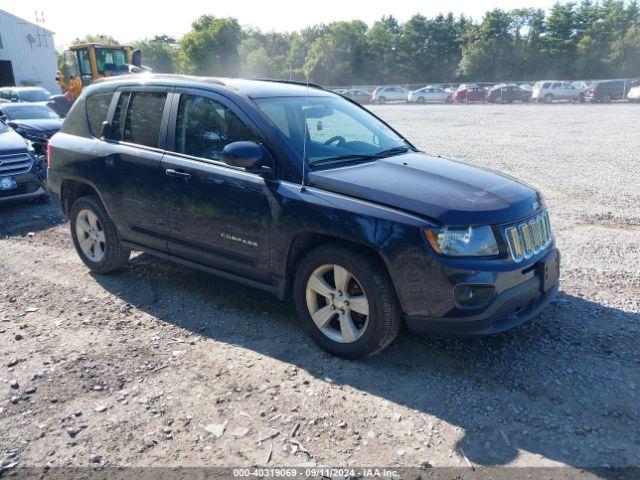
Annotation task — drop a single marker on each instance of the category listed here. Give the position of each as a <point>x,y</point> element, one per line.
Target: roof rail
<point>292,82</point>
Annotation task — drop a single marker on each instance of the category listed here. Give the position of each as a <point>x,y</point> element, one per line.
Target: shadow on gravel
<point>19,219</point>
<point>560,386</point>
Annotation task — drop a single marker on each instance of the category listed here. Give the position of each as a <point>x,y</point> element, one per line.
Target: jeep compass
<point>301,192</point>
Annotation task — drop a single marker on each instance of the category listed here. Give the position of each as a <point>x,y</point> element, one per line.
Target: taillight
<point>594,90</point>
<point>48,155</point>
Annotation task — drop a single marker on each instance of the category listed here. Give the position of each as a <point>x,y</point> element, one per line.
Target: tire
<point>449,99</point>
<point>382,100</point>
<point>114,255</point>
<point>548,98</point>
<point>420,100</point>
<point>606,98</point>
<point>369,279</point>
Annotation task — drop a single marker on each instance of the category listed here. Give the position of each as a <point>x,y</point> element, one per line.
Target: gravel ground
<point>162,365</point>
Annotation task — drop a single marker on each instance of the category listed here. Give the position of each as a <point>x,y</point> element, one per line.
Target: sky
<point>128,20</point>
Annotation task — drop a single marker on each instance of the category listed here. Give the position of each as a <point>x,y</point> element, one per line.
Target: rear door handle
<point>177,173</point>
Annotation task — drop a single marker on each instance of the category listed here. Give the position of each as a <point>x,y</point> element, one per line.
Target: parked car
<point>634,94</point>
<point>508,93</point>
<point>247,180</point>
<point>22,172</point>
<point>360,96</point>
<point>389,94</point>
<point>549,91</point>
<point>469,93</point>
<point>606,91</point>
<point>34,121</point>
<point>24,94</point>
<point>429,94</point>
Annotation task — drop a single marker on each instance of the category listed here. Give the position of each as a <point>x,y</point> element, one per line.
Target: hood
<point>11,142</point>
<point>447,191</point>
<point>38,125</point>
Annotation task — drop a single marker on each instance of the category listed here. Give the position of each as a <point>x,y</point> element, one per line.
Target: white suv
<point>389,94</point>
<point>550,90</point>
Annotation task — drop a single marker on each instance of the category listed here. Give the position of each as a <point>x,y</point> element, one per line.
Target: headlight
<point>463,242</point>
<point>29,145</point>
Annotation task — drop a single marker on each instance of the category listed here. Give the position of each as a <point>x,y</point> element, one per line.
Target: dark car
<point>508,94</point>
<point>22,173</point>
<point>360,96</point>
<point>306,195</point>
<point>34,121</point>
<point>608,90</point>
<point>24,94</point>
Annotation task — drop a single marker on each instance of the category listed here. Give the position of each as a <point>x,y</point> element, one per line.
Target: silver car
<point>430,94</point>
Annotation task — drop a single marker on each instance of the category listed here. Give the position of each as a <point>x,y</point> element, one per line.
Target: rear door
<point>133,155</point>
<point>216,215</point>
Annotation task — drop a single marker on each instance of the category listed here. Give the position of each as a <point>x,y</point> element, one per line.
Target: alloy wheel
<point>91,237</point>
<point>337,303</point>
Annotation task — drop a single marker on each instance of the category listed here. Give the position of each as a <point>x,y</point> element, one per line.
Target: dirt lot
<point>162,365</point>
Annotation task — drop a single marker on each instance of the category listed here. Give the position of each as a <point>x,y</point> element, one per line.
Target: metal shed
<point>27,54</point>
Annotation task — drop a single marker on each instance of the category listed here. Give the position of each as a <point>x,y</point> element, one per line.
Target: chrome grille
<point>529,237</point>
<point>15,164</point>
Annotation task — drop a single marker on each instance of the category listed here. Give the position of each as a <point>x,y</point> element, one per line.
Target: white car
<point>551,90</point>
<point>389,94</point>
<point>429,94</point>
<point>634,94</point>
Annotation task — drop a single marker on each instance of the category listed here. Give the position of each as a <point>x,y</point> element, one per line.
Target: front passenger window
<point>204,127</point>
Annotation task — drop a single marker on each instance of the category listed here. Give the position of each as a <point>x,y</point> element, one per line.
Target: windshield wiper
<point>359,156</point>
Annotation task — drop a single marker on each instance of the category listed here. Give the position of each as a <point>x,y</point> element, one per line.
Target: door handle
<point>177,173</point>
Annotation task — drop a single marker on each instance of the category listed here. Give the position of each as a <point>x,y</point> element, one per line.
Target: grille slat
<point>529,238</point>
<point>15,164</point>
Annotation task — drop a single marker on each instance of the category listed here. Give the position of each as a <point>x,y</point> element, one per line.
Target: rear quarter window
<point>75,122</point>
<point>97,110</point>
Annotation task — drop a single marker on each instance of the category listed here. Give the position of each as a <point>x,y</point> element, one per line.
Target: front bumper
<point>508,309</point>
<point>28,185</point>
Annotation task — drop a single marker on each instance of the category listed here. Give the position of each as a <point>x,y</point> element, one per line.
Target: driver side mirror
<point>247,155</point>
<point>105,130</point>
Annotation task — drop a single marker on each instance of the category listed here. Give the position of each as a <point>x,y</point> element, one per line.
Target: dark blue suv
<point>298,191</point>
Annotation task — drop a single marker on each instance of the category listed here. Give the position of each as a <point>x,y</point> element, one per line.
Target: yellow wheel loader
<point>89,62</point>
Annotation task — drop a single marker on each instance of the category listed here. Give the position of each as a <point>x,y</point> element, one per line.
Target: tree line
<point>586,40</point>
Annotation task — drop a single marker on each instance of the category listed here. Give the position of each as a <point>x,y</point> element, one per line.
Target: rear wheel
<point>346,302</point>
<point>606,98</point>
<point>420,100</point>
<point>95,236</point>
<point>382,100</point>
<point>548,98</point>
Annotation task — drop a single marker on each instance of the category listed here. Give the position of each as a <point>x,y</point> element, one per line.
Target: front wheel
<point>95,236</point>
<point>346,301</point>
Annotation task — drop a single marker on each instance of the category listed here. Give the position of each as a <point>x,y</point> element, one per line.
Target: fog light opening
<point>472,296</point>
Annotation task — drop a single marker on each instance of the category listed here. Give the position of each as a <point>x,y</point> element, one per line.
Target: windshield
<point>28,112</point>
<point>112,60</point>
<point>334,127</point>
<point>35,95</point>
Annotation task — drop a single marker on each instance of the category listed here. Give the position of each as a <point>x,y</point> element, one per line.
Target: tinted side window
<point>204,127</point>
<point>75,123</point>
<point>97,109</point>
<point>143,117</point>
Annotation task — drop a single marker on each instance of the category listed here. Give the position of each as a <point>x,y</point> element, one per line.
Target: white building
<point>27,54</point>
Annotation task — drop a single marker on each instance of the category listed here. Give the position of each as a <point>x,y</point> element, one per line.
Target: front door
<point>216,215</point>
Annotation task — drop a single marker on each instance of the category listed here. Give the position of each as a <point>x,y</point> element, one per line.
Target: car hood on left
<point>38,125</point>
<point>11,142</point>
<point>447,191</point>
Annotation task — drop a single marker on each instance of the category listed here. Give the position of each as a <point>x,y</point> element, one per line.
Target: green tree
<point>159,53</point>
<point>211,47</point>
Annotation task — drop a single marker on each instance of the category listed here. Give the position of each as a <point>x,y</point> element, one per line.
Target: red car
<point>469,93</point>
